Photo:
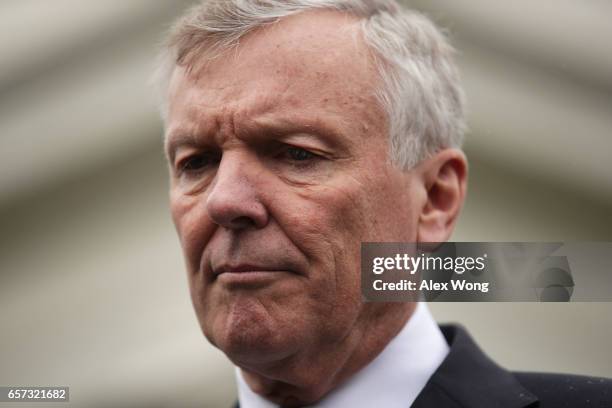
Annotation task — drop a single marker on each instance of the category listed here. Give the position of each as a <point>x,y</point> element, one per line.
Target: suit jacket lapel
<point>467,378</point>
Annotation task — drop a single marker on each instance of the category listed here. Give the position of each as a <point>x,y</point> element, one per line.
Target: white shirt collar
<point>393,379</point>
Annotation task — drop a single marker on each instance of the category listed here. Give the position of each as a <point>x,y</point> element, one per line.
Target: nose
<point>234,200</point>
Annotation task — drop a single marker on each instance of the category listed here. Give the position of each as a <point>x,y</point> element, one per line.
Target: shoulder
<point>467,378</point>
<point>563,390</point>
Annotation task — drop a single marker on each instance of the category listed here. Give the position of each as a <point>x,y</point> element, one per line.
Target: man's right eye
<point>196,163</point>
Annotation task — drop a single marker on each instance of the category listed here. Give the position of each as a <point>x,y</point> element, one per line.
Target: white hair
<point>420,91</point>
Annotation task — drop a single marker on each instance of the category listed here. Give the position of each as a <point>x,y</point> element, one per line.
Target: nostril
<point>242,222</point>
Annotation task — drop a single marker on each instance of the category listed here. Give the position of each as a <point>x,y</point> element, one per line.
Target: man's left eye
<point>299,154</point>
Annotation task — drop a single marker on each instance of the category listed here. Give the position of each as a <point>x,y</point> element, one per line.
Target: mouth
<point>248,275</point>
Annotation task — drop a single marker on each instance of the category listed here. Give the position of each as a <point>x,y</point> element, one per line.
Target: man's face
<point>279,170</point>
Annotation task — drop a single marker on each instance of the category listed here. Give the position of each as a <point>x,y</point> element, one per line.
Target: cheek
<point>389,207</point>
<point>327,224</point>
<point>193,226</point>
<point>333,220</point>
<point>322,218</point>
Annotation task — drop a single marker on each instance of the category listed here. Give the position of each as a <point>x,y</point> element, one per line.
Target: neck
<point>309,375</point>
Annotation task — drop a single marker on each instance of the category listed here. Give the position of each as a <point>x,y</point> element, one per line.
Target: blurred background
<point>93,292</point>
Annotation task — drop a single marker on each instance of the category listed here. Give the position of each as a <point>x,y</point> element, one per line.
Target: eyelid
<point>307,141</point>
<point>180,165</point>
<point>310,149</point>
<point>179,160</point>
<point>182,161</point>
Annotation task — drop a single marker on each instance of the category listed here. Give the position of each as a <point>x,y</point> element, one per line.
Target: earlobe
<point>444,177</point>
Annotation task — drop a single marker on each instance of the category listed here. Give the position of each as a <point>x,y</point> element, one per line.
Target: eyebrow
<point>259,129</point>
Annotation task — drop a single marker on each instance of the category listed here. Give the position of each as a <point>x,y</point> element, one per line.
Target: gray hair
<point>421,93</point>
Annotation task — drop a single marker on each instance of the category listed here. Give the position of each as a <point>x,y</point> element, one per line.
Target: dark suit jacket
<point>467,378</point>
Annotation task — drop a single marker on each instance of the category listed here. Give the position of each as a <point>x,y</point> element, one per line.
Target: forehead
<point>313,62</point>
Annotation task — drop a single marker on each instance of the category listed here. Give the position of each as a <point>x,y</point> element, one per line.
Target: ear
<point>444,178</point>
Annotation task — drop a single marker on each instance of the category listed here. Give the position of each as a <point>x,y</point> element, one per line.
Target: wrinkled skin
<point>279,163</point>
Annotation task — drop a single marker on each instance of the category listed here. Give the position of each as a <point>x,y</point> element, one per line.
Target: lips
<point>247,276</point>
<point>245,268</point>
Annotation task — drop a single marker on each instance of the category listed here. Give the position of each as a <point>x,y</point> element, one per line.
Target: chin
<point>248,334</point>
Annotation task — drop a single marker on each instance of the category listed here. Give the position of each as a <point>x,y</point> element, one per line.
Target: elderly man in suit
<point>295,131</point>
